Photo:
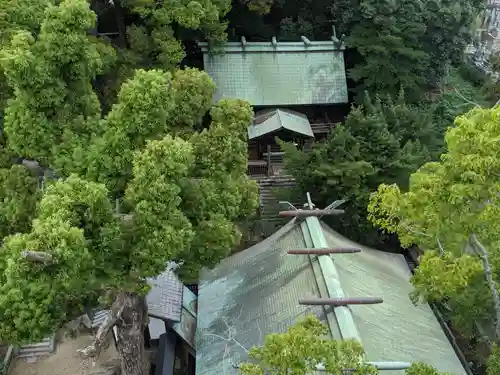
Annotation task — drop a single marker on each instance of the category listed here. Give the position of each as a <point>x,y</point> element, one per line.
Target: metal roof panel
<point>254,292</point>
<point>291,75</point>
<point>396,329</point>
<point>271,120</point>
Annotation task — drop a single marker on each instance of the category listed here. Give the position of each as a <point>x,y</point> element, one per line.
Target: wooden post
<point>340,301</point>
<point>268,159</point>
<point>306,213</point>
<point>340,250</point>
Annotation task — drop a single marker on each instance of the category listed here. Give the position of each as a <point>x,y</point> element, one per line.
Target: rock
<point>82,321</point>
<point>86,322</point>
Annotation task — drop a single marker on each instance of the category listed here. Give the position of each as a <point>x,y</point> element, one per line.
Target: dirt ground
<point>66,360</point>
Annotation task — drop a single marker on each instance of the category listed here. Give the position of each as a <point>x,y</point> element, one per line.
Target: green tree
<point>388,37</point>
<point>19,193</point>
<point>408,43</point>
<point>304,346</point>
<point>17,15</point>
<point>155,43</point>
<point>451,205</point>
<point>144,187</point>
<point>54,106</point>
<point>382,142</point>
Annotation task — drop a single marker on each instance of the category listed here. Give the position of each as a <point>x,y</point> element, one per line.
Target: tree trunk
<point>120,22</point>
<point>129,313</point>
<point>131,325</point>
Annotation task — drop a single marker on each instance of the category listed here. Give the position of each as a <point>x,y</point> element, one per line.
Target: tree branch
<point>231,333</point>
<point>38,257</point>
<point>465,99</point>
<point>491,283</point>
<point>33,166</point>
<point>94,349</point>
<point>411,230</point>
<point>126,219</point>
<point>441,249</point>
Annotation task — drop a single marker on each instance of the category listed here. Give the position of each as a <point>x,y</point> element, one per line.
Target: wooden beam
<point>340,301</point>
<point>339,250</point>
<point>306,213</point>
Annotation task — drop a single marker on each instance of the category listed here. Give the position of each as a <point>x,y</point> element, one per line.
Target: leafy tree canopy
<point>382,142</point>
<point>304,346</point>
<point>153,42</point>
<point>124,193</point>
<point>448,203</point>
<point>409,43</point>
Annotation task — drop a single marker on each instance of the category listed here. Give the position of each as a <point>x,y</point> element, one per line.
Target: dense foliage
<point>451,212</point>
<point>409,43</point>
<point>384,141</point>
<point>303,347</point>
<point>109,199</point>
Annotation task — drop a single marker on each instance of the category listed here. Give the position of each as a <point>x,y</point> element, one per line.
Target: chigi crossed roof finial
<point>311,210</point>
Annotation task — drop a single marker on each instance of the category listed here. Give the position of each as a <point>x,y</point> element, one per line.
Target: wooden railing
<point>258,168</point>
<point>272,163</point>
<point>322,128</point>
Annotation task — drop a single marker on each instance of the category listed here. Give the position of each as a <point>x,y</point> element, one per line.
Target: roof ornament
<point>339,43</point>
<point>243,43</point>
<point>311,210</point>
<point>306,41</point>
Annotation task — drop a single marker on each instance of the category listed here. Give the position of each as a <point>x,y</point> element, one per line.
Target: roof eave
<point>267,47</point>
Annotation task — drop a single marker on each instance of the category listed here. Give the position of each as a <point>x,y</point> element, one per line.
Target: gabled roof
<point>271,120</point>
<point>165,297</point>
<point>278,74</point>
<point>256,292</point>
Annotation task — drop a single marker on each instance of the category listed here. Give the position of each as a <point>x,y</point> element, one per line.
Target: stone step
<point>43,344</point>
<point>43,353</point>
<point>38,349</point>
<point>105,372</point>
<point>29,351</point>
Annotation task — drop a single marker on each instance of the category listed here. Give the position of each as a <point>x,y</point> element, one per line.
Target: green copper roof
<point>396,329</point>
<point>285,73</point>
<point>271,120</point>
<point>256,292</point>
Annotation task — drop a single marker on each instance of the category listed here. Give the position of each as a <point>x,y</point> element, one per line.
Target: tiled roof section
<point>254,292</point>
<point>396,329</point>
<point>286,74</point>
<point>271,120</point>
<point>165,297</point>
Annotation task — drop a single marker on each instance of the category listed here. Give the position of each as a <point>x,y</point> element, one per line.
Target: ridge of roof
<point>269,47</point>
<point>274,119</point>
<point>341,315</point>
